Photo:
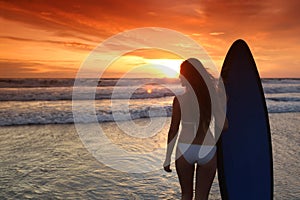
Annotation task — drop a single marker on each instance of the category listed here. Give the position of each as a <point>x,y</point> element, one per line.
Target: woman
<point>196,144</point>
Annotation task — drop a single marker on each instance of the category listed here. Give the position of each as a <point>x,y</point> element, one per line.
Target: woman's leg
<point>205,175</point>
<point>185,173</point>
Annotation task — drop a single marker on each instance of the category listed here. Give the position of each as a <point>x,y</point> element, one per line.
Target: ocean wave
<point>281,88</point>
<point>87,93</point>
<point>62,112</point>
<point>62,89</point>
<point>102,82</point>
<point>116,92</point>
<point>48,113</point>
<point>284,99</point>
<point>84,82</point>
<point>281,80</point>
<point>283,107</point>
<point>52,104</point>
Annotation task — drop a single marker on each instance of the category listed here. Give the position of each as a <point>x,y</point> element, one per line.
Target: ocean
<point>42,156</point>
<point>49,101</point>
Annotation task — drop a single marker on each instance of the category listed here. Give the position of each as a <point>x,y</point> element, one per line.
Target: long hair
<point>198,78</point>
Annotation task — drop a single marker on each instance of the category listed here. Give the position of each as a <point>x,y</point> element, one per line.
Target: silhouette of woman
<point>196,144</point>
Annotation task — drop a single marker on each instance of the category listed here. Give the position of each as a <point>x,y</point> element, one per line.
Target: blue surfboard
<point>245,164</point>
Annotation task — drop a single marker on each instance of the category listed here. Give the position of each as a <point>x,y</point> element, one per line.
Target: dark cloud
<point>31,69</point>
<point>76,45</point>
<point>100,18</point>
<point>237,16</point>
<point>106,17</point>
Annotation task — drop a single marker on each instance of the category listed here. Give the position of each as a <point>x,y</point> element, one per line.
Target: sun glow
<point>149,90</point>
<point>169,68</point>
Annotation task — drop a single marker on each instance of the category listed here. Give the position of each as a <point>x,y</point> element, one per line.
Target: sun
<point>169,68</point>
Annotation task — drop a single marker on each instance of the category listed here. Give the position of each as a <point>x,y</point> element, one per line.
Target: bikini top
<point>190,113</point>
<point>189,107</point>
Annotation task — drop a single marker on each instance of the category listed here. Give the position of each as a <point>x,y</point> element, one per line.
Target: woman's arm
<point>173,133</point>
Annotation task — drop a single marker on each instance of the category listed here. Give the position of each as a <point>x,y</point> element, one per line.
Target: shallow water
<point>50,162</point>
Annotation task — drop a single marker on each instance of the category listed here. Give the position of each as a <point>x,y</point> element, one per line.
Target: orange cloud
<point>34,29</point>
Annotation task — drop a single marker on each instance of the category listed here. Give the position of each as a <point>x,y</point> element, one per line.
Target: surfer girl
<point>196,144</point>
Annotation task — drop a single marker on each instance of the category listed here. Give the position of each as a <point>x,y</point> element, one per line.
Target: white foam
<point>48,105</point>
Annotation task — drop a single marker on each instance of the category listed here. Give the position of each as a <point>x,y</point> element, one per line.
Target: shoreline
<point>113,122</point>
<point>50,161</point>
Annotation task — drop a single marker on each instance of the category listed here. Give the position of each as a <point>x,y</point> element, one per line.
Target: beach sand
<point>50,162</point>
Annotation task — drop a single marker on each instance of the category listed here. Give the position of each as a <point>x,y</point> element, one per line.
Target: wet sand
<point>50,162</point>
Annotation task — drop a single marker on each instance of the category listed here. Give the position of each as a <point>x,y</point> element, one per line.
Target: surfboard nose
<point>239,48</point>
<point>238,57</point>
<point>239,42</point>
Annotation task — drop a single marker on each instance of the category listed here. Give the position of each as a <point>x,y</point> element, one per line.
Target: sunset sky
<point>53,38</point>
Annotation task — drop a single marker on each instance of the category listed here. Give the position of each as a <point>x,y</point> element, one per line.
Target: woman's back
<point>195,119</point>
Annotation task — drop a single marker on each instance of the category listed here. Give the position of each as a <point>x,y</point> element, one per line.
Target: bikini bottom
<point>196,153</point>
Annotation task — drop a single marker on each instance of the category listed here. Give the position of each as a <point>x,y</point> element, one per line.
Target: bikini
<point>195,153</point>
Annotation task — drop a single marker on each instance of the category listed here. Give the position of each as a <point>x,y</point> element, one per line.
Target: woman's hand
<point>222,127</point>
<point>225,127</point>
<point>167,168</point>
<point>167,165</point>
